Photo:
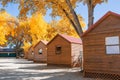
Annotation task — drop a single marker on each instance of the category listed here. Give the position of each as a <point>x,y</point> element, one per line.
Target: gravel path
<point>21,69</point>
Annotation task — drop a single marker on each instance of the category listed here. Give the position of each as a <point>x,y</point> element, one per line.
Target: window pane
<point>32,53</point>
<point>112,40</point>
<point>112,49</point>
<point>58,49</point>
<point>40,51</point>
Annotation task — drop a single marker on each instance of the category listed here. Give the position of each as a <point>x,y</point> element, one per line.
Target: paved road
<point>21,69</point>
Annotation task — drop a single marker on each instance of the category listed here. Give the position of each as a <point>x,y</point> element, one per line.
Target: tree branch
<point>77,28</point>
<point>76,20</point>
<point>70,21</point>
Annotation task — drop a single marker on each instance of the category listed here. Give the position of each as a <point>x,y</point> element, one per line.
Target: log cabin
<point>40,51</point>
<point>30,53</point>
<point>101,46</point>
<point>64,50</point>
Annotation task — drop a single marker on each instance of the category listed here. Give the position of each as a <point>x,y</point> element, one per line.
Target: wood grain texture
<point>69,54</point>
<point>95,57</point>
<point>30,56</point>
<point>40,57</point>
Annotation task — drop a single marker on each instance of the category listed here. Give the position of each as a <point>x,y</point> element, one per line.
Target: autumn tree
<point>63,8</point>
<point>59,8</point>
<point>6,26</point>
<point>21,33</point>
<point>64,27</point>
<point>38,27</point>
<point>18,34</point>
<point>37,30</point>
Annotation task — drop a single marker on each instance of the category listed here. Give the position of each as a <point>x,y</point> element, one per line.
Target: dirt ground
<point>21,69</point>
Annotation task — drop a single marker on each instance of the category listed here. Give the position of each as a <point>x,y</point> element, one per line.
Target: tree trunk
<point>90,13</point>
<point>17,48</point>
<point>76,20</point>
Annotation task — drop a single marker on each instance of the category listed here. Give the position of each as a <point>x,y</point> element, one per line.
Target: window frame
<point>41,51</point>
<point>32,52</point>
<point>112,45</point>
<point>60,50</point>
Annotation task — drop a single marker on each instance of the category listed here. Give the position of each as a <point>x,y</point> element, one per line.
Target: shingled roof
<point>68,38</point>
<point>99,21</point>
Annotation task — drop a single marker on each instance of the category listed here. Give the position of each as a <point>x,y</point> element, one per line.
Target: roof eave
<point>99,21</point>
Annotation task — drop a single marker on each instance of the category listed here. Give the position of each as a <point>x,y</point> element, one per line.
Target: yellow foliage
<point>38,27</point>
<point>5,26</point>
<point>51,31</point>
<point>21,32</point>
<point>26,46</point>
<point>63,26</point>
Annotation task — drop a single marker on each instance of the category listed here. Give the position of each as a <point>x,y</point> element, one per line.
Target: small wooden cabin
<point>64,50</point>
<point>30,53</point>
<point>40,51</point>
<point>26,55</point>
<point>101,46</point>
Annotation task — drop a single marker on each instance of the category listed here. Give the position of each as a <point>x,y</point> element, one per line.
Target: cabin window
<point>112,45</point>
<point>40,51</point>
<point>32,53</point>
<point>58,49</point>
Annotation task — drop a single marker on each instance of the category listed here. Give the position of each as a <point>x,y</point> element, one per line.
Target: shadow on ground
<point>20,75</point>
<point>20,69</point>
